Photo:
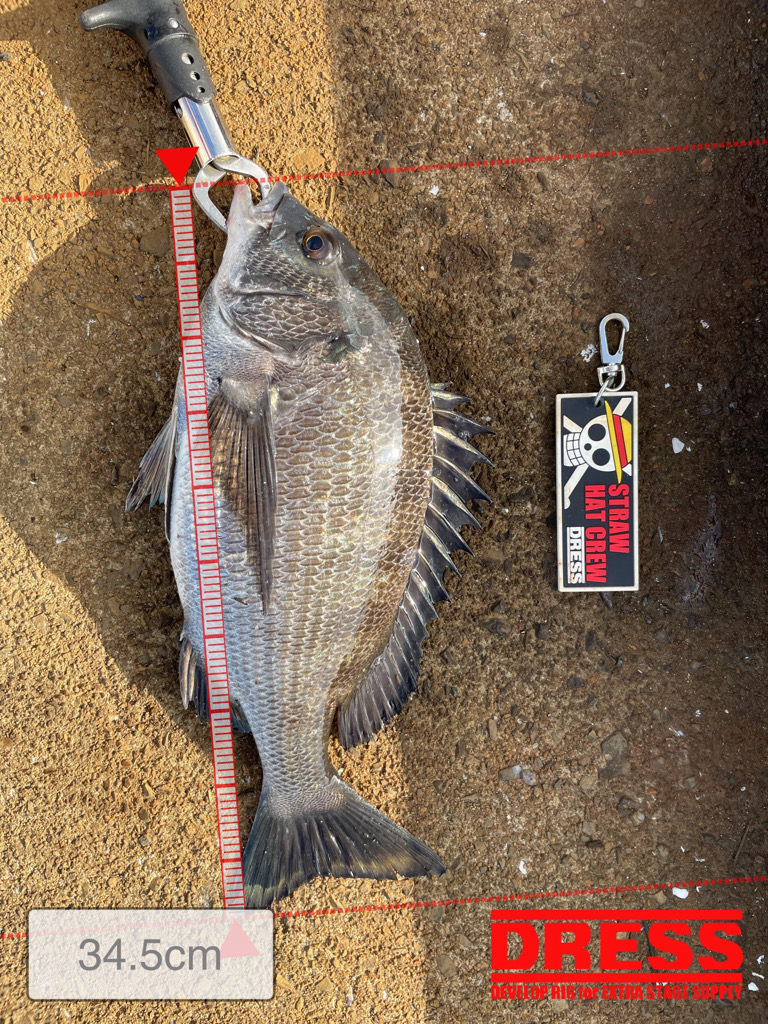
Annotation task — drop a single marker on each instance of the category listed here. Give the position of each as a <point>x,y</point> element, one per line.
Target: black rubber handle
<point>162,30</point>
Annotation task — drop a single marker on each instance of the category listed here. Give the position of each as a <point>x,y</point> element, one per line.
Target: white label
<point>150,954</point>
<point>575,536</point>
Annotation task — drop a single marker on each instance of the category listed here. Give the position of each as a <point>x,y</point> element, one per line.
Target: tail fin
<point>347,838</point>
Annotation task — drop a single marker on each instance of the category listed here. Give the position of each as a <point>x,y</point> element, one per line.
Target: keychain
<point>597,529</point>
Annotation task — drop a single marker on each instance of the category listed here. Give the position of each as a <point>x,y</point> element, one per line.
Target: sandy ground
<point>106,783</point>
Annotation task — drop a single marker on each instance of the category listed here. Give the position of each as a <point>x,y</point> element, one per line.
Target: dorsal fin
<point>392,676</point>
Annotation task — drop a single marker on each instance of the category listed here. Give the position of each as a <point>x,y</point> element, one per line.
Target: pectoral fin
<point>243,455</point>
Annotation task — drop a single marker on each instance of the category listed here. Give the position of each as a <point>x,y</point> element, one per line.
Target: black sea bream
<point>341,477</point>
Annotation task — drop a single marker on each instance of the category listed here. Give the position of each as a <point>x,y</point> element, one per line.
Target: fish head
<point>290,282</point>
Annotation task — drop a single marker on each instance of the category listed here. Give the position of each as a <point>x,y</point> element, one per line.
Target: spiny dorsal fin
<point>392,677</point>
<point>243,454</point>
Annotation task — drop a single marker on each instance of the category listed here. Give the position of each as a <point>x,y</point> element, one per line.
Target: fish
<point>341,478</point>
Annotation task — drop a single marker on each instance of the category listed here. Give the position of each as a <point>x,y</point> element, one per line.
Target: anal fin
<point>192,681</point>
<point>194,688</point>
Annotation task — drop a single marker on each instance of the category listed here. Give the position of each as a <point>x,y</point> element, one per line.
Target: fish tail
<point>346,837</point>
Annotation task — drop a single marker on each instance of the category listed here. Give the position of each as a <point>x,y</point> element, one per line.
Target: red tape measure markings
<point>193,368</point>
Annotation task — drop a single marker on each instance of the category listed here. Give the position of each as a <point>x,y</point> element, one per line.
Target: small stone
<point>493,729</point>
<point>493,557</point>
<point>40,622</point>
<point>510,774</point>
<point>446,966</point>
<point>575,682</point>
<point>588,782</point>
<point>522,261</point>
<point>559,1005</point>
<point>497,625</point>
<point>147,790</point>
<point>589,97</point>
<point>589,640</point>
<point>677,445</point>
<point>626,807</point>
<point>543,180</point>
<point>435,914</point>
<point>607,598</point>
<point>695,666</point>
<point>389,173</point>
<point>282,982</point>
<point>616,751</point>
<point>659,898</point>
<point>113,881</point>
<point>589,828</point>
<point>662,851</point>
<point>541,631</point>
<point>691,782</point>
<point>708,839</point>
<point>528,777</point>
<point>156,242</point>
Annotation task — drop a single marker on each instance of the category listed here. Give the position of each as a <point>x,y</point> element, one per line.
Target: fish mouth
<point>262,213</point>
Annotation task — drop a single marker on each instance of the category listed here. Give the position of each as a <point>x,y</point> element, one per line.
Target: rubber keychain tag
<point>596,446</point>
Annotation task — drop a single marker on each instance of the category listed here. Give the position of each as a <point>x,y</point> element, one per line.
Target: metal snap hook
<point>612,367</point>
<point>612,358</point>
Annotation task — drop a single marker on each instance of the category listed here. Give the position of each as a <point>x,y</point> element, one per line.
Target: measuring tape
<point>204,504</point>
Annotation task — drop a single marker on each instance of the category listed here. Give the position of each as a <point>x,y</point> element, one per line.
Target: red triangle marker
<point>178,161</point>
<point>237,943</point>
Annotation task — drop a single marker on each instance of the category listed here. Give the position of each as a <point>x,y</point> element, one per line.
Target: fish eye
<point>317,245</point>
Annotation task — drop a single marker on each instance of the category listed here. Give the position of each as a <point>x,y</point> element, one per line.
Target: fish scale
<point>340,479</point>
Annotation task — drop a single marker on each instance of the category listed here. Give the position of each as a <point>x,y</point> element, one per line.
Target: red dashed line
<point>471,900</point>
<point>554,894</point>
<point>410,169</point>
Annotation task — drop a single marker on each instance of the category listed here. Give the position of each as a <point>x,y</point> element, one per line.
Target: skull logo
<point>595,445</point>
